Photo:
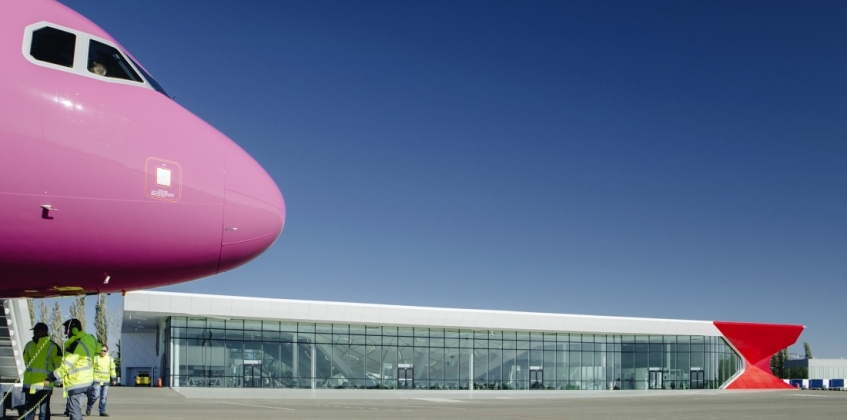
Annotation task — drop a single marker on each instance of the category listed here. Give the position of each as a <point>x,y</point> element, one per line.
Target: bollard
<point>160,382</point>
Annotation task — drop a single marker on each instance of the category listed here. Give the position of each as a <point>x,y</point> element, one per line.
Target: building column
<point>470,369</point>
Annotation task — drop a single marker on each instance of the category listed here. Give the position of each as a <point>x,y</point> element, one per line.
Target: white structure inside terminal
<point>224,341</point>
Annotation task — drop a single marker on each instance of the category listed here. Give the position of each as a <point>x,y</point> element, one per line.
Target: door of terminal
<point>405,376</point>
<point>536,378</point>
<point>697,379</point>
<point>656,379</point>
<point>252,374</point>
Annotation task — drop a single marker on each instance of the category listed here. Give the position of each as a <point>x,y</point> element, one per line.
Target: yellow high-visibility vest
<point>41,358</point>
<point>104,368</point>
<point>77,370</point>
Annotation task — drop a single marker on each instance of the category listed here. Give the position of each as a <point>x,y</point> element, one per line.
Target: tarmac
<point>205,403</point>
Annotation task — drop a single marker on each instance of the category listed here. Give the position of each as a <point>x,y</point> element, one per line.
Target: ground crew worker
<point>41,356</point>
<point>76,370</point>
<point>104,374</point>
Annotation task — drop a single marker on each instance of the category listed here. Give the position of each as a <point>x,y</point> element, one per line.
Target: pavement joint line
<point>260,406</point>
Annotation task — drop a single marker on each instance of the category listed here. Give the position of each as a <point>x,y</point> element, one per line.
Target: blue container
<point>836,383</point>
<point>815,383</point>
<point>796,383</point>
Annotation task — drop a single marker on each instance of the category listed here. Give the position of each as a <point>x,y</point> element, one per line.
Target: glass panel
<point>304,362</point>
<point>421,364</point>
<point>587,370</point>
<point>627,371</point>
<point>655,359</point>
<point>340,329</point>
<point>234,359</point>
<point>323,366</point>
<point>356,366</point>
<point>305,327</point>
<point>54,46</point>
<point>405,355</point>
<point>464,368</point>
<point>270,335</point>
<point>465,339</point>
<point>389,367</point>
<point>271,366</point>
<point>480,368</point>
<point>373,366</point>
<point>508,374</point>
<point>340,377</point>
<point>549,365</point>
<point>436,342</point>
<point>495,364</point>
<point>436,368</point>
<point>286,366</point>
<point>451,368</point>
<point>234,335</point>
<point>357,329</point>
<point>107,61</point>
<point>251,335</point>
<point>561,365</point>
<point>197,323</point>
<point>522,368</point>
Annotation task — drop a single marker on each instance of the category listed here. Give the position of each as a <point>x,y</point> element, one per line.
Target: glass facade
<point>271,354</point>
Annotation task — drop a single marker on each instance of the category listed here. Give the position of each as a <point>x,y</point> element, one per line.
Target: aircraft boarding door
<point>405,376</point>
<point>536,377</point>
<point>697,379</point>
<point>656,379</point>
<point>252,374</point>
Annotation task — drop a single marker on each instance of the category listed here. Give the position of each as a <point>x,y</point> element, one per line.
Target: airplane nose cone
<point>254,211</point>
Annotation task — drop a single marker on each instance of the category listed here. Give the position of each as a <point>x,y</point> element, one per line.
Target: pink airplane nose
<point>254,211</point>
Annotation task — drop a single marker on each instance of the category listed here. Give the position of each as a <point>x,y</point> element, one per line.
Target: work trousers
<point>75,402</point>
<point>40,398</point>
<point>101,391</point>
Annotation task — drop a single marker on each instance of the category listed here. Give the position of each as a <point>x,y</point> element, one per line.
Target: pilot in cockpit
<point>97,68</point>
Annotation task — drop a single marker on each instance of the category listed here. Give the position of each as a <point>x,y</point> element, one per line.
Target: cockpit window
<point>107,61</point>
<point>53,46</point>
<point>150,79</point>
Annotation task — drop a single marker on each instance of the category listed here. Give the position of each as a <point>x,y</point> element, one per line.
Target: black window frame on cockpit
<point>117,66</point>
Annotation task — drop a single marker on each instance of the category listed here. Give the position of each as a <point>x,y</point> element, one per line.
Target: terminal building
<point>194,340</point>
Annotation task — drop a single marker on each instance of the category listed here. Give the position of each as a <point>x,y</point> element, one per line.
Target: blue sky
<point>657,159</point>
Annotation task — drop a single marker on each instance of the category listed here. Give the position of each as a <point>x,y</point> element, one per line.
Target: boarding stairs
<point>15,332</point>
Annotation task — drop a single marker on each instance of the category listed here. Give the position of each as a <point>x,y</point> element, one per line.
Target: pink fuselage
<point>90,150</point>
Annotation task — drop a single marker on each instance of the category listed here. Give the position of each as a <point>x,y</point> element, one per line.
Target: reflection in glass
<point>270,354</point>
